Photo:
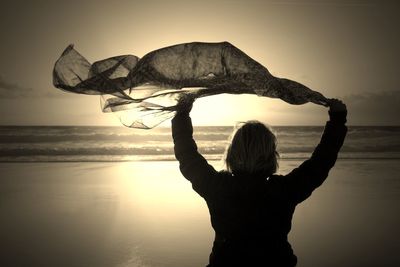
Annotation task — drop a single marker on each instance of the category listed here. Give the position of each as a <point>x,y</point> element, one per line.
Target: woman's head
<point>252,150</point>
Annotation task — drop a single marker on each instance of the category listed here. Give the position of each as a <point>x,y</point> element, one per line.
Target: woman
<point>251,208</point>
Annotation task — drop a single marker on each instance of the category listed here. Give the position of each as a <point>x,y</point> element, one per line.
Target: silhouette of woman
<point>251,207</point>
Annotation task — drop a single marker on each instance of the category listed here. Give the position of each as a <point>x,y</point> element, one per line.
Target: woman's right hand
<point>337,111</point>
<point>336,105</point>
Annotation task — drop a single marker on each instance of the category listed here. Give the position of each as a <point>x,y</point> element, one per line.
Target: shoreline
<point>172,160</point>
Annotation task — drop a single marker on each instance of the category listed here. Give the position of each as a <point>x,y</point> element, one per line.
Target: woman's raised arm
<point>192,164</point>
<point>302,181</point>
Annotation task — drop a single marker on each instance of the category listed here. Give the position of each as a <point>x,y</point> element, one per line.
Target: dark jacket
<point>251,215</point>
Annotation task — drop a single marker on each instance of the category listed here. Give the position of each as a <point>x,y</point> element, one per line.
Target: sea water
<point>70,143</point>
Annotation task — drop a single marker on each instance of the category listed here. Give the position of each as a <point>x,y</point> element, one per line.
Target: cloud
<point>379,108</point>
<point>368,108</point>
<point>327,3</point>
<point>12,90</point>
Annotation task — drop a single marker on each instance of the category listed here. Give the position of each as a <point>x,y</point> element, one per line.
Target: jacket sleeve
<point>302,181</point>
<point>192,164</point>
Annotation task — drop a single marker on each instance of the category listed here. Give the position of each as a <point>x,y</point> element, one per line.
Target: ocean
<point>114,197</point>
<point>82,144</point>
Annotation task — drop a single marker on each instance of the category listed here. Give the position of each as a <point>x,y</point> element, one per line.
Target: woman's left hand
<point>185,103</point>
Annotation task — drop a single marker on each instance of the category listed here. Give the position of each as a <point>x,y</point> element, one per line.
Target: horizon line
<point>162,126</point>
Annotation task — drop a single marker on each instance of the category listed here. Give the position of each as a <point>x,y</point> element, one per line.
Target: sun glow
<point>164,192</point>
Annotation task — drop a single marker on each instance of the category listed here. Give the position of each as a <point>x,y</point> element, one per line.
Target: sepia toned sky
<point>343,49</point>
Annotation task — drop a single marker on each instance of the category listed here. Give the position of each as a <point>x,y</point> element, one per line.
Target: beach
<point>144,213</point>
<point>88,92</point>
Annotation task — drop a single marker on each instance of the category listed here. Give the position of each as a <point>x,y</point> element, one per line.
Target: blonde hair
<point>252,150</point>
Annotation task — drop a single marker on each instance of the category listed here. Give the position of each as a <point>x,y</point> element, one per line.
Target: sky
<point>343,49</point>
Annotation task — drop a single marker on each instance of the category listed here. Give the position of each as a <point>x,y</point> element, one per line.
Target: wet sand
<point>146,214</point>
